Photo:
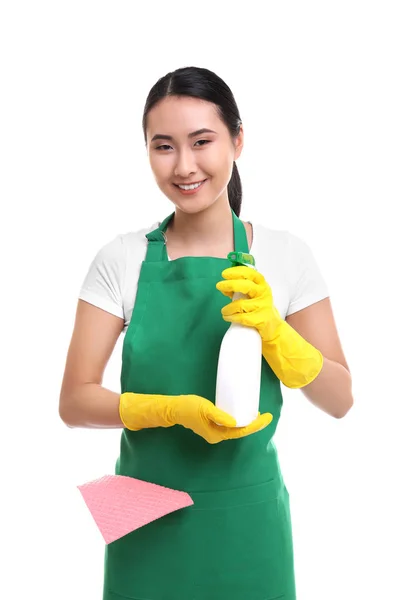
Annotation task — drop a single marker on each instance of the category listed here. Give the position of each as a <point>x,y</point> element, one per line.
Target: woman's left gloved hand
<point>294,360</point>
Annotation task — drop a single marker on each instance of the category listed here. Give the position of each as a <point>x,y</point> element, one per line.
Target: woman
<point>167,287</point>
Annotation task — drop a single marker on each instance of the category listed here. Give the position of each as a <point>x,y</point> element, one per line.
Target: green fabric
<point>235,542</point>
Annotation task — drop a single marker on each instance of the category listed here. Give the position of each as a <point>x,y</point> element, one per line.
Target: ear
<point>239,143</point>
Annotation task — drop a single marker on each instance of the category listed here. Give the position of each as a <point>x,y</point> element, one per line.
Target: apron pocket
<point>229,545</point>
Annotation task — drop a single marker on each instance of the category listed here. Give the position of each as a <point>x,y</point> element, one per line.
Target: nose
<point>185,164</point>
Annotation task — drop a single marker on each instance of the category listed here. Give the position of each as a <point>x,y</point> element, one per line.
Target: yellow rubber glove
<point>294,360</point>
<point>141,411</point>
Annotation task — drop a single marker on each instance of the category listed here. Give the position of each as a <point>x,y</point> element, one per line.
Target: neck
<point>214,223</point>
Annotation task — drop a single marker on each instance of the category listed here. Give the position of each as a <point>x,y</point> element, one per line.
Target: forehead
<point>181,115</point>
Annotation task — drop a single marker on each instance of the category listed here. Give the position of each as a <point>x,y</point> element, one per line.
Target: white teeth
<point>190,187</point>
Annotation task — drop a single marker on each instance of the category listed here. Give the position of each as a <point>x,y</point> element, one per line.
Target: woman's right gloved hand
<point>142,411</point>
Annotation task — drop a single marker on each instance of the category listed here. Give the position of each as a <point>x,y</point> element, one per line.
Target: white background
<point>317,85</point>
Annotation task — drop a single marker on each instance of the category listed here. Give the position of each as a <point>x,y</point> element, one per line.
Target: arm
<point>83,401</point>
<point>331,389</point>
<point>303,351</point>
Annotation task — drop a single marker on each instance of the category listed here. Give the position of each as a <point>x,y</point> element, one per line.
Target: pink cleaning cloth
<point>122,504</point>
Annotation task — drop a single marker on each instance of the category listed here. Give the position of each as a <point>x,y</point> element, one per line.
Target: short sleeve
<point>307,284</point>
<point>103,283</point>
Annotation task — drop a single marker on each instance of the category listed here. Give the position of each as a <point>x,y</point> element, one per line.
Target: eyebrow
<point>161,136</point>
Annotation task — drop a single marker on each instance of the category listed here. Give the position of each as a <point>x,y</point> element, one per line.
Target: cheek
<point>159,166</point>
<point>219,160</point>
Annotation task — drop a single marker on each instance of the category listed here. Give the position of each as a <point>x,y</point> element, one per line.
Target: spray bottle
<point>239,363</point>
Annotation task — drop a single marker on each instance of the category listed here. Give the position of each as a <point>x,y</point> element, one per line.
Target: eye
<point>164,146</point>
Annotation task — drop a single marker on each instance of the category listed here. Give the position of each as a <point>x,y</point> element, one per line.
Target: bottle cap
<point>241,258</point>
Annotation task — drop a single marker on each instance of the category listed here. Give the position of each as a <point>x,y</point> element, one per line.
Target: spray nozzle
<point>241,258</point>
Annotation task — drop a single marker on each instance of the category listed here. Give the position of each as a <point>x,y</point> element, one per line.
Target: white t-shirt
<point>284,259</point>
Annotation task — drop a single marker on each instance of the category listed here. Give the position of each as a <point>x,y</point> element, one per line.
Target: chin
<point>191,206</point>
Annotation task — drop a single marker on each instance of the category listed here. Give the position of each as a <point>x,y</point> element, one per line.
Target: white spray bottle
<point>239,364</point>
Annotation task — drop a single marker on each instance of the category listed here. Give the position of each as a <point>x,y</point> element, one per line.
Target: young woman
<point>169,287</point>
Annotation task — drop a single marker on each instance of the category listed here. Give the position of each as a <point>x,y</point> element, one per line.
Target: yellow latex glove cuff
<point>294,361</point>
<point>141,411</point>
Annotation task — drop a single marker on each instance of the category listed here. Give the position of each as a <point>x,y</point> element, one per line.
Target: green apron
<point>235,542</point>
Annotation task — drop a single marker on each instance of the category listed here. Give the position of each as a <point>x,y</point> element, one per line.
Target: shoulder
<point>265,236</point>
<point>288,262</point>
<point>282,237</point>
<point>116,256</point>
<point>109,282</point>
<point>270,246</point>
<point>125,245</point>
<point>280,244</point>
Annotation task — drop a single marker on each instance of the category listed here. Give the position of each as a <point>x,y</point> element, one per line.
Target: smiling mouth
<point>187,184</point>
<point>190,189</point>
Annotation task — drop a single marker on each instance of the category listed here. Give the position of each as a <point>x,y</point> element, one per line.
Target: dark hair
<point>201,83</point>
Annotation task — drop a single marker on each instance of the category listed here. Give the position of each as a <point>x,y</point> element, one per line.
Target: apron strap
<point>240,235</point>
<point>156,248</point>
